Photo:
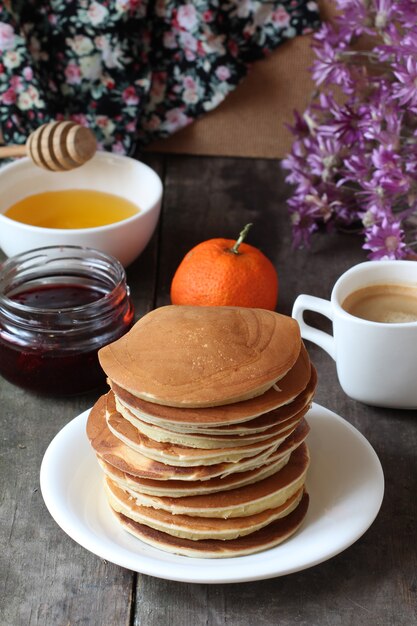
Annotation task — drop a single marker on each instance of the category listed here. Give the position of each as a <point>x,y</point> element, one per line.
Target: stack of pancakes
<point>202,436</point>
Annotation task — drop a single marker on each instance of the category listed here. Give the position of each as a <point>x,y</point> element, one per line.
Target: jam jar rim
<point>28,255</point>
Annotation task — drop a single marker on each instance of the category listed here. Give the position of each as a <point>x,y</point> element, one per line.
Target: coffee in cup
<point>390,304</point>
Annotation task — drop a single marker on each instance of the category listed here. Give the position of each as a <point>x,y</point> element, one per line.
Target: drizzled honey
<point>71,208</point>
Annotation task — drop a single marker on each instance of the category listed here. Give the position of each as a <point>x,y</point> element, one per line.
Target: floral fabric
<point>132,70</point>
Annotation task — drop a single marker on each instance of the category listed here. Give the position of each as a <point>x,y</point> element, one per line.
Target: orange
<point>224,272</point>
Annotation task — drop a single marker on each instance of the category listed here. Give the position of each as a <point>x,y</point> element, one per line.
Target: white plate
<point>345,483</point>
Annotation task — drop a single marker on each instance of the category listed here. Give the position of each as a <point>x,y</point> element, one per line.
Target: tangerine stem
<point>242,236</point>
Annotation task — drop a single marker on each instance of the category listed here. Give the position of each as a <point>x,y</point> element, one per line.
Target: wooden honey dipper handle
<point>57,146</point>
<point>12,151</point>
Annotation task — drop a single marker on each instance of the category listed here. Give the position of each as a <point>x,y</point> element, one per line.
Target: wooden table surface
<point>48,579</point>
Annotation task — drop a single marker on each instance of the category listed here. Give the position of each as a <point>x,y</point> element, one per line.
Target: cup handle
<point>318,305</point>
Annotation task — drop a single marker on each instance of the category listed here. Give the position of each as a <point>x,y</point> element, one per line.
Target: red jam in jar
<point>58,306</point>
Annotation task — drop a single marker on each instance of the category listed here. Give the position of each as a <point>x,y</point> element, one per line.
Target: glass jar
<point>58,306</point>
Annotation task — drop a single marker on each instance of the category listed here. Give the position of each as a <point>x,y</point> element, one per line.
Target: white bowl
<point>106,172</point>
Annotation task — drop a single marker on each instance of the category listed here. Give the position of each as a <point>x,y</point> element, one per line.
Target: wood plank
<point>46,578</point>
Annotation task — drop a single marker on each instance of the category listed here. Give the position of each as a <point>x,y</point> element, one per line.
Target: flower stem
<point>359,53</point>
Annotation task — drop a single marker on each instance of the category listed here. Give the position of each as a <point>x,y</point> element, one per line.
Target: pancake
<point>265,494</point>
<point>290,387</point>
<point>185,356</point>
<point>113,451</point>
<point>205,440</point>
<point>267,537</point>
<point>183,456</point>
<point>178,488</point>
<point>197,528</point>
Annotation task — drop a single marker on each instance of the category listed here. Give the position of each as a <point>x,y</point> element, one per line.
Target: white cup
<point>376,362</point>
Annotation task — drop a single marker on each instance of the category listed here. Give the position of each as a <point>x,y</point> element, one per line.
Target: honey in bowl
<point>71,208</point>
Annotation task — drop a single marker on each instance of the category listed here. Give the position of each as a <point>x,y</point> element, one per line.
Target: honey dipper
<point>56,146</point>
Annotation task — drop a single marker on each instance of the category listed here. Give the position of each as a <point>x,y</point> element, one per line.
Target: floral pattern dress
<point>132,70</point>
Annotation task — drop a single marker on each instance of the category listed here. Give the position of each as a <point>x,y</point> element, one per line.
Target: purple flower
<point>354,19</point>
<point>411,166</point>
<point>406,90</point>
<point>300,127</point>
<point>303,219</point>
<point>344,123</point>
<point>388,170</point>
<point>384,10</point>
<point>385,240</point>
<point>356,168</point>
<point>298,175</point>
<point>324,157</point>
<point>330,67</point>
<point>327,33</point>
<point>406,12</point>
<point>309,209</point>
<point>354,155</point>
<point>388,162</point>
<point>372,193</point>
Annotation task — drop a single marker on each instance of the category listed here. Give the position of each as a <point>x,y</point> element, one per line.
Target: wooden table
<point>46,578</point>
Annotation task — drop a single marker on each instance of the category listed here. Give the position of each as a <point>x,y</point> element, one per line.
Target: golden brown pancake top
<point>189,356</point>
